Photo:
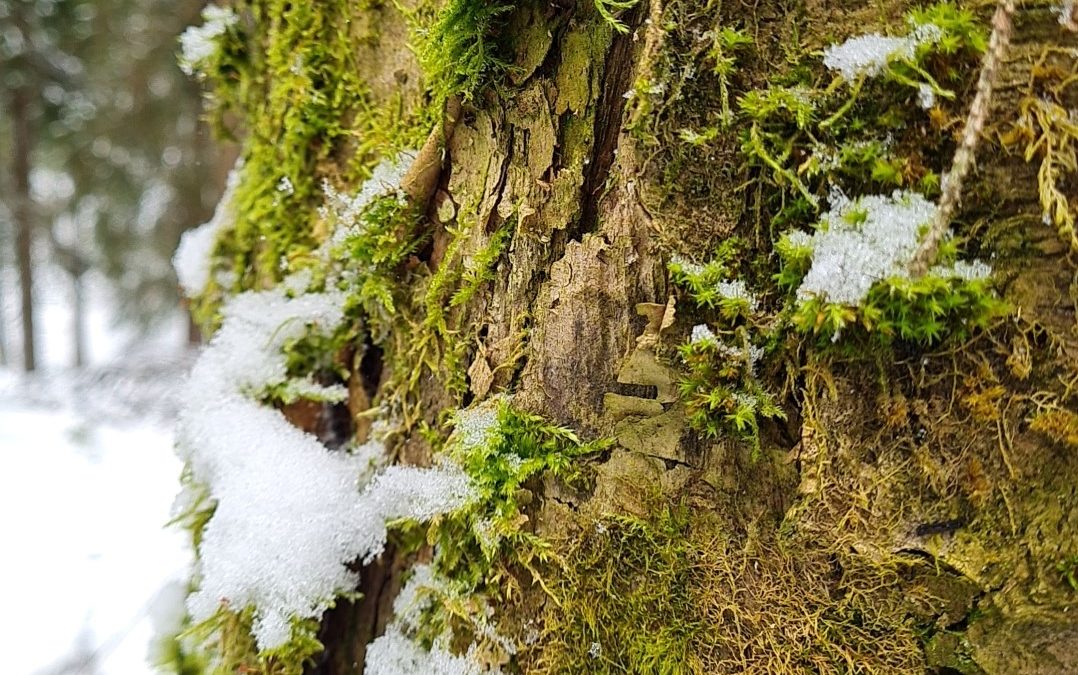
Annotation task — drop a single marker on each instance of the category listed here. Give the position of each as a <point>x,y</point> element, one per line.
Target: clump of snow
<point>687,266</point>
<point>198,43</point>
<point>290,514</point>
<point>474,427</point>
<point>702,334</point>
<point>860,242</point>
<point>866,240</point>
<point>737,290</point>
<point>193,255</point>
<point>868,55</point>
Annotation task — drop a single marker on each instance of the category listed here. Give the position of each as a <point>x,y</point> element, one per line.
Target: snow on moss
<point>737,290</point>
<point>198,43</point>
<point>866,240</point>
<point>860,242</point>
<point>396,653</point>
<point>289,515</point>
<point>868,55</point>
<point>193,255</point>
<point>701,333</point>
<point>345,210</point>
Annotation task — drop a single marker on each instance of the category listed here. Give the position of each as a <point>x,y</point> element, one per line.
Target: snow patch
<point>193,255</point>
<point>868,55</point>
<point>860,242</point>
<point>395,653</point>
<point>290,514</point>
<point>866,240</point>
<point>198,43</point>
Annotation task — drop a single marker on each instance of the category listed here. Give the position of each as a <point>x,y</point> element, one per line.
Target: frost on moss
<point>289,514</point>
<point>399,652</point>
<point>868,55</point>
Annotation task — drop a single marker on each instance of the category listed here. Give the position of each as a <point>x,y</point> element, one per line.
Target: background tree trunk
<point>24,219</point>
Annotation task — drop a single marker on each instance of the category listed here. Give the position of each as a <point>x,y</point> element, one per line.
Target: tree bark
<point>911,513</point>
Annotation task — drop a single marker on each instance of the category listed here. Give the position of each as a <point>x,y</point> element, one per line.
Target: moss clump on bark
<point>679,592</point>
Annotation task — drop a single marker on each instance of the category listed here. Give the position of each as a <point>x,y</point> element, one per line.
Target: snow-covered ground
<point>87,478</point>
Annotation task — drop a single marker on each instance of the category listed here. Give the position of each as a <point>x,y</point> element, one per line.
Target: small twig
<point>1002,27</point>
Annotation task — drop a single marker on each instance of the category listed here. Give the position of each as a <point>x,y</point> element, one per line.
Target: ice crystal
<point>345,210</point>
<point>974,270</point>
<point>193,255</point>
<point>860,242</point>
<point>868,55</point>
<point>474,427</point>
<point>687,266</point>
<point>198,43</point>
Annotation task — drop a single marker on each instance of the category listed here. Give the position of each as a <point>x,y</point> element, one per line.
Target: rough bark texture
<point>909,515</point>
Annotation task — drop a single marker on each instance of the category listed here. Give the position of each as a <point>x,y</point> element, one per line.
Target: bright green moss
<point>482,549</point>
<point>289,80</point>
<point>462,51</point>
<point>921,311</point>
<point>703,282</point>
<point>721,392</point>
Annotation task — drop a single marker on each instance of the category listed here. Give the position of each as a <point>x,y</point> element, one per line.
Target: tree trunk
<point>78,321</point>
<point>912,509</point>
<point>24,219</point>
<point>3,322</point>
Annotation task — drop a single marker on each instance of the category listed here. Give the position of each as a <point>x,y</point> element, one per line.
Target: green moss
<point>610,9</point>
<point>462,51</point>
<point>922,311</point>
<point>721,392</point>
<point>701,281</point>
<point>628,602</point>
<point>289,80</point>
<point>227,635</point>
<point>484,548</point>
<point>679,591</point>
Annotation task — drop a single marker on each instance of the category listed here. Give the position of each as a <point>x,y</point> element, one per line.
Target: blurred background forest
<point>104,162</point>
